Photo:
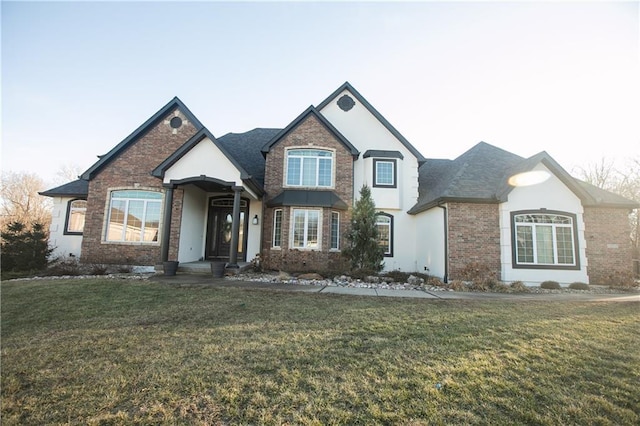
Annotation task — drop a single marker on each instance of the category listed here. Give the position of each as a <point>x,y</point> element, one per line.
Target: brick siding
<point>131,169</point>
<point>609,250</point>
<point>310,133</point>
<point>474,236</point>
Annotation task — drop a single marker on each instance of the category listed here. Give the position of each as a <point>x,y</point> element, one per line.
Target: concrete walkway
<point>202,279</point>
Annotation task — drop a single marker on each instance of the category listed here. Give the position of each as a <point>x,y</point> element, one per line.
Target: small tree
<point>24,249</point>
<point>363,249</point>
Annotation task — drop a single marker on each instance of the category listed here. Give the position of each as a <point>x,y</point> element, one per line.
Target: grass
<point>97,351</point>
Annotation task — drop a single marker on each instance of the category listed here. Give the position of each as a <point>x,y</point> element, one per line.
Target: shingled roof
<point>246,149</point>
<point>480,176</point>
<point>78,188</point>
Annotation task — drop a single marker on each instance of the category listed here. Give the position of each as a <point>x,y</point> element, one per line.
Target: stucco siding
<point>430,242</point>
<point>62,245</point>
<point>552,195</point>
<point>204,159</point>
<point>193,225</point>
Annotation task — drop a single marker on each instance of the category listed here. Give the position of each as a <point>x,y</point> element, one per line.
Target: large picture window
<point>384,223</point>
<point>76,211</point>
<point>134,216</point>
<point>306,229</point>
<point>309,168</point>
<point>544,240</point>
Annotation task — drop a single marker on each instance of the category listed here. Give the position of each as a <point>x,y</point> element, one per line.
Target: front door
<point>219,228</point>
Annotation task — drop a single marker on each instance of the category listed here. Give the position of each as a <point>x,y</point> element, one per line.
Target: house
<point>173,191</point>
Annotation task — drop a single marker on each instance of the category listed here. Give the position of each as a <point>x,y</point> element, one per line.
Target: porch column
<point>166,223</point>
<point>235,229</point>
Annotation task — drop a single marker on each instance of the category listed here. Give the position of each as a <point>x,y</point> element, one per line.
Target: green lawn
<point>100,351</point>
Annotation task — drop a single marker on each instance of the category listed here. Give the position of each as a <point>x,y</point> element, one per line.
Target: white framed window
<point>384,173</point>
<point>335,231</point>
<point>277,228</point>
<point>76,212</point>
<point>544,239</point>
<point>306,228</point>
<point>384,223</point>
<point>134,216</point>
<point>309,168</point>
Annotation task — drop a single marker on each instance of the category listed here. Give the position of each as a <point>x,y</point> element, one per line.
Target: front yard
<point>100,351</point>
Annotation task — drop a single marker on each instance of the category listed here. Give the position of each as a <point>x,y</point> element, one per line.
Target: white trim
<point>306,229</point>
<point>285,175</point>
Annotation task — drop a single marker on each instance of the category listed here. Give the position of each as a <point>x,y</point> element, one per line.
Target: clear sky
<point>561,77</point>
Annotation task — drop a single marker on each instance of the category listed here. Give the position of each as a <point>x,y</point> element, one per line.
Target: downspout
<point>446,242</point>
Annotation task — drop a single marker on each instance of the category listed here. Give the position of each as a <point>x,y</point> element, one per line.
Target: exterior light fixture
<point>529,178</point>
<point>255,220</point>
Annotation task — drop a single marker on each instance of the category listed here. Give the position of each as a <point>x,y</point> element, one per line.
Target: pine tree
<point>24,249</point>
<point>363,249</point>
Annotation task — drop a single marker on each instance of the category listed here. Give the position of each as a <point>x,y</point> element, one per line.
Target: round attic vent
<point>175,122</point>
<point>346,103</point>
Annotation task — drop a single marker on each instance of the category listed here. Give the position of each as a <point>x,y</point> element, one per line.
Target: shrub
<point>458,286</point>
<point>550,285</point>
<point>579,286</point>
<point>64,266</point>
<point>620,280</point>
<point>519,287</point>
<point>435,282</point>
<point>125,269</point>
<point>361,273</point>
<point>398,276</point>
<point>98,269</point>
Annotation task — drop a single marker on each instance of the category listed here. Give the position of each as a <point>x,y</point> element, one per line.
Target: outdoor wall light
<point>529,178</point>
<point>255,220</point>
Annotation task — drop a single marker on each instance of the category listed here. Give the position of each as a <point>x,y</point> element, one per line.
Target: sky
<point>561,77</point>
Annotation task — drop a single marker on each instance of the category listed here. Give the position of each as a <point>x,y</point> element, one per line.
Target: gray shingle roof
<point>78,188</point>
<point>481,174</point>
<point>246,148</point>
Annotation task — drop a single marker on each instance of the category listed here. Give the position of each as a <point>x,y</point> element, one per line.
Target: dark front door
<point>219,228</point>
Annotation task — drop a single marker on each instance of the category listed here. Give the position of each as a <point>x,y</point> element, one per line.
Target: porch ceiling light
<point>529,178</point>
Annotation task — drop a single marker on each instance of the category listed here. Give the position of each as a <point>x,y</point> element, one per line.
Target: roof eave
<point>139,132</point>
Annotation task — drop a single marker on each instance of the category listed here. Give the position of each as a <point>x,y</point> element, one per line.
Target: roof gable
<point>140,132</point>
<point>347,86</point>
<point>481,175</point>
<point>311,111</point>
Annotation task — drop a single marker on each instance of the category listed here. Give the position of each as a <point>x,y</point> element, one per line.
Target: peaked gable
<point>204,133</point>
<point>310,112</point>
<point>175,103</point>
<point>481,175</point>
<point>348,87</point>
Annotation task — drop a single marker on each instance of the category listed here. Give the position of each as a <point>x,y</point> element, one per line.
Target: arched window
<point>76,211</point>
<point>134,216</point>
<point>544,239</point>
<point>384,223</point>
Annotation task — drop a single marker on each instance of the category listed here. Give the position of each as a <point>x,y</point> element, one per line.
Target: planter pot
<point>170,268</point>
<point>217,269</point>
